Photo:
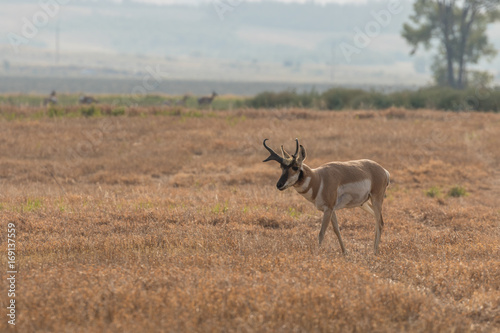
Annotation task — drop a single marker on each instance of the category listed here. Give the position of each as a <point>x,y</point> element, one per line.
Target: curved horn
<point>296,149</point>
<point>273,156</point>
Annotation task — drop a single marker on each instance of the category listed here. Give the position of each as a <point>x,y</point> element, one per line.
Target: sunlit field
<point>168,221</point>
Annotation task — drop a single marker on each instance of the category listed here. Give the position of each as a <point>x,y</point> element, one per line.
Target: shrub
<point>433,192</point>
<point>340,98</point>
<point>272,100</point>
<point>488,100</point>
<point>54,111</point>
<point>31,205</point>
<point>401,98</point>
<point>372,100</point>
<point>90,111</point>
<point>449,99</point>
<point>118,111</point>
<point>288,98</point>
<point>457,191</point>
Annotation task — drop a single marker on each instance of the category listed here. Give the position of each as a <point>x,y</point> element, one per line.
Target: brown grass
<point>173,224</point>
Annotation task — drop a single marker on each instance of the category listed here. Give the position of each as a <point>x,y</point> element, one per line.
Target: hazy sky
<point>296,1</point>
<point>258,42</point>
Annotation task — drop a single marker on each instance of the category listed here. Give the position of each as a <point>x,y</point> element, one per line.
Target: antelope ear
<point>302,154</point>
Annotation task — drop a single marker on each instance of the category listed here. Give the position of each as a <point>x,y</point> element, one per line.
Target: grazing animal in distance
<point>182,101</point>
<point>335,185</point>
<point>206,100</point>
<point>87,100</point>
<point>179,102</point>
<point>52,99</point>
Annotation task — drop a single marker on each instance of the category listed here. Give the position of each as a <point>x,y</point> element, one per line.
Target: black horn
<point>273,156</point>
<point>296,149</point>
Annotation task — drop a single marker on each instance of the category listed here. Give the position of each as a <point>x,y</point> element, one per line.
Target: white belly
<point>353,194</point>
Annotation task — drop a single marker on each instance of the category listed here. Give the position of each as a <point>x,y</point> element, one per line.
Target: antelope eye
<point>295,168</point>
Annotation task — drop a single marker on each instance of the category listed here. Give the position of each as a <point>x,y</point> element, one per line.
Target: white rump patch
<point>353,194</point>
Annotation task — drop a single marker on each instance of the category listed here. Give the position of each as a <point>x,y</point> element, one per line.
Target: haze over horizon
<point>248,41</point>
<point>321,2</point>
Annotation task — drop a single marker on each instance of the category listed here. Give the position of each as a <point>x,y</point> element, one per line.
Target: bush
<point>443,98</point>
<point>416,100</point>
<point>118,111</point>
<point>433,192</point>
<point>309,99</point>
<point>457,191</point>
<point>340,98</point>
<point>372,100</point>
<point>90,111</point>
<point>54,111</point>
<point>449,99</point>
<point>288,98</point>
<point>439,98</point>
<point>272,100</point>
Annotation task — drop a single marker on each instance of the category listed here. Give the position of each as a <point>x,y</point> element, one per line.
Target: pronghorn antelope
<point>207,100</point>
<point>334,186</point>
<point>180,102</point>
<point>51,100</point>
<point>87,100</point>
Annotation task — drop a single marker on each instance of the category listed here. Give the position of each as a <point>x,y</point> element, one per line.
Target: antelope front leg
<point>335,225</point>
<point>326,219</point>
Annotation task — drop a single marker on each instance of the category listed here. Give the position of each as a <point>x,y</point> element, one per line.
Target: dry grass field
<point>172,223</point>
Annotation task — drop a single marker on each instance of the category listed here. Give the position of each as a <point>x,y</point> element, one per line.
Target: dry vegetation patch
<point>170,222</point>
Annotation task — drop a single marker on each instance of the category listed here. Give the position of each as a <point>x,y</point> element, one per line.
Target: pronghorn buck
<point>334,185</point>
<point>207,100</point>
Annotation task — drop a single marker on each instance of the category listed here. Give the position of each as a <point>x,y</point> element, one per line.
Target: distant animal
<point>52,99</point>
<point>87,100</point>
<point>334,186</point>
<point>206,100</point>
<point>180,102</point>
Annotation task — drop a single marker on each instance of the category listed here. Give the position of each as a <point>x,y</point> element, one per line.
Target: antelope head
<point>291,165</point>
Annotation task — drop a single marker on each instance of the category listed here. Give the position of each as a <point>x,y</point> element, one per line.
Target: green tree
<point>458,29</point>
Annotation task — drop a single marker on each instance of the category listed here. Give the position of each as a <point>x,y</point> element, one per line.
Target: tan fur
<point>338,185</point>
<point>339,173</point>
<point>335,174</point>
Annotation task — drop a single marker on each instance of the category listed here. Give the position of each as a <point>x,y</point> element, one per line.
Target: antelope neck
<point>303,176</point>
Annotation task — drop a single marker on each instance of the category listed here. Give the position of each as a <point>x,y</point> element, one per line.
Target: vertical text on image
<point>11,272</point>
